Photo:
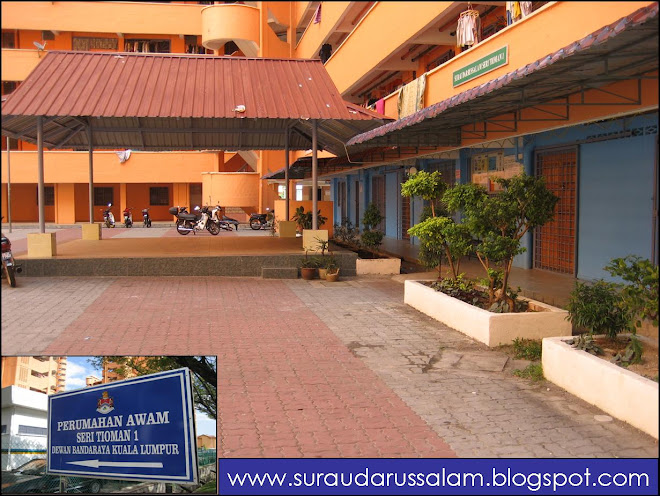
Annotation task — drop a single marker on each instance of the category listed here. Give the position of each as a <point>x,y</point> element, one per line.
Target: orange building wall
<point>24,206</point>
<point>137,196</point>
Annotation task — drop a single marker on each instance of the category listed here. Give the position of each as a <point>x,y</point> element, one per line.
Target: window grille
<point>159,195</point>
<point>102,196</point>
<point>32,430</point>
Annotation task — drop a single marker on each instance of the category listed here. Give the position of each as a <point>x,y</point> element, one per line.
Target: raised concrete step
<point>231,265</point>
<point>279,272</point>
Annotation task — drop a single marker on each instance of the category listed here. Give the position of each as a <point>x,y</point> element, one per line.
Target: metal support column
<point>286,174</point>
<point>8,187</point>
<point>91,172</point>
<point>41,196</point>
<point>315,195</point>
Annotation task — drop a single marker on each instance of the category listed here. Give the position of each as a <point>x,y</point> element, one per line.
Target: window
<point>281,191</point>
<point>299,192</point>
<point>102,196</point>
<point>8,39</point>
<point>49,196</point>
<point>8,87</point>
<point>38,374</point>
<point>159,195</point>
<point>85,44</point>
<point>4,429</point>
<point>147,46</point>
<point>32,430</point>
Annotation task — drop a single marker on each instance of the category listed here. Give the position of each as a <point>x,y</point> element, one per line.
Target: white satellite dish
<point>39,46</point>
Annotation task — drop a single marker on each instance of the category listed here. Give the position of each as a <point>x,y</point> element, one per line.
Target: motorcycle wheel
<point>107,224</point>
<point>182,228</point>
<point>149,223</point>
<point>11,276</point>
<point>213,228</point>
<point>255,224</point>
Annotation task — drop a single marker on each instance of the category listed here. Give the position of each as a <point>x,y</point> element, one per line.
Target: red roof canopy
<point>170,101</point>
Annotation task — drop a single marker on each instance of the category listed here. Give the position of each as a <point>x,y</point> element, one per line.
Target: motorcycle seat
<point>192,217</point>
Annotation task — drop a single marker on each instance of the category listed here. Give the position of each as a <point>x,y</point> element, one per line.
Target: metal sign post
<point>137,429</point>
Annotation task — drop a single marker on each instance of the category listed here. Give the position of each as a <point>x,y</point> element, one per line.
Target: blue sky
<point>78,368</point>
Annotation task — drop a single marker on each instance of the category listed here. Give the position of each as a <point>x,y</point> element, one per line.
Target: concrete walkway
<point>319,369</point>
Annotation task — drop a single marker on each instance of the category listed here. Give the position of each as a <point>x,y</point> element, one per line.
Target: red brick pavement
<point>287,386</point>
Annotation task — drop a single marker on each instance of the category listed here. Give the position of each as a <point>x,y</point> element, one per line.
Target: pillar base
<point>311,239</point>
<point>287,228</point>
<point>91,231</point>
<point>41,245</point>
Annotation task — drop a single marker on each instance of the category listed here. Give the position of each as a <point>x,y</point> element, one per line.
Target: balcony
<point>572,16</point>
<point>104,17</point>
<point>231,22</point>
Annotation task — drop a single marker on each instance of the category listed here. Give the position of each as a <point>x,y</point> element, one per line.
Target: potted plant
<point>332,274</point>
<point>303,219</point>
<point>324,245</point>
<point>308,267</point>
<point>492,228</point>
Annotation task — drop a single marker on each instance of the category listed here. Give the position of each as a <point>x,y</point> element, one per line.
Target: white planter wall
<point>383,266</point>
<point>493,329</point>
<point>615,390</point>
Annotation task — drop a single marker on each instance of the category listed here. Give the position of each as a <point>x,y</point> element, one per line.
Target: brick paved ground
<point>319,369</point>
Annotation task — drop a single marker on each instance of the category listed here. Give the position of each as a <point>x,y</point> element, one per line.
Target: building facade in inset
<point>43,374</point>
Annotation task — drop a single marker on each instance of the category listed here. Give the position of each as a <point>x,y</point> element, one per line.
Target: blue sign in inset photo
<point>137,429</point>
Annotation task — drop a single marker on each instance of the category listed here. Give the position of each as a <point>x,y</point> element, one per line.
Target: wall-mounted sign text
<point>482,66</point>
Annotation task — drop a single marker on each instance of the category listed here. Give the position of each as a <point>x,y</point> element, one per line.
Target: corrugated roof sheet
<point>170,85</point>
<point>181,102</point>
<point>558,74</point>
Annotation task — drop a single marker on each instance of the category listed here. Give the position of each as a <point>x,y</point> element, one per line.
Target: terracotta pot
<point>322,273</point>
<point>308,273</point>
<point>332,277</point>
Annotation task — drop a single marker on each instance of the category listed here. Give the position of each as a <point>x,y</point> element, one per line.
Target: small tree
<point>441,237</point>
<point>499,222</point>
<point>372,237</point>
<point>427,185</point>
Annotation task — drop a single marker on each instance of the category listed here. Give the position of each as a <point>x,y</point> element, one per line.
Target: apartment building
<point>42,374</point>
<point>564,90</point>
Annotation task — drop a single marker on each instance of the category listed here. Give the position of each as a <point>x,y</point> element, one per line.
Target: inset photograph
<point>109,424</point>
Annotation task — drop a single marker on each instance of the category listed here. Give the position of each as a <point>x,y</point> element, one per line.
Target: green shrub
<point>533,371</point>
<point>598,308</point>
<point>528,349</point>
<point>372,237</point>
<point>640,296</point>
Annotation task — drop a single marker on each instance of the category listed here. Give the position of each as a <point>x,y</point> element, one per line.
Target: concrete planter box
<point>615,390</point>
<point>384,266</point>
<point>493,329</point>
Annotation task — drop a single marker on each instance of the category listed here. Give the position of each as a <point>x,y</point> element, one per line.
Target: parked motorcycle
<point>9,266</point>
<point>194,222</point>
<point>108,216</point>
<point>128,217</point>
<point>146,220</point>
<point>262,221</point>
<point>225,222</point>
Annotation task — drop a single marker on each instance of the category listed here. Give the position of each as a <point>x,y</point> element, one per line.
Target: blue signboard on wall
<point>137,429</point>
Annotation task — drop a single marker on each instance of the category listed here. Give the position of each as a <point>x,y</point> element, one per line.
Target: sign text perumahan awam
<point>138,429</point>
<point>482,66</point>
